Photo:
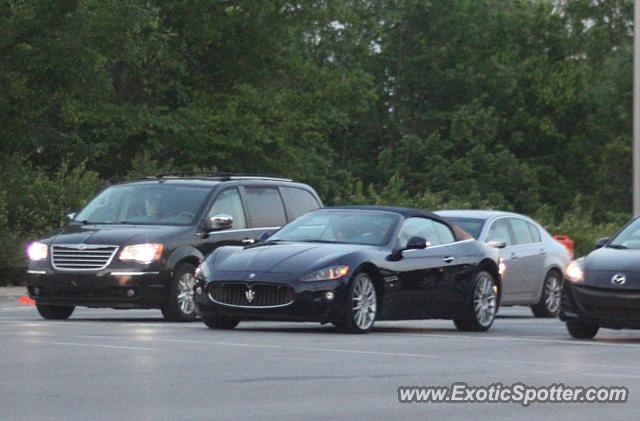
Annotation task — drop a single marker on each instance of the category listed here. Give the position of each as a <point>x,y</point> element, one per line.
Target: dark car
<point>137,244</point>
<point>351,266</point>
<point>602,289</point>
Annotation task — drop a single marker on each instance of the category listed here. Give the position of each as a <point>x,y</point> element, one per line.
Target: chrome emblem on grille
<point>81,246</point>
<point>618,279</point>
<point>252,275</point>
<point>249,295</point>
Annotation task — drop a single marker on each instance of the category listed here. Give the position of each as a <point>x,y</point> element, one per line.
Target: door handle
<point>449,259</point>
<point>543,252</point>
<point>248,241</point>
<point>514,256</point>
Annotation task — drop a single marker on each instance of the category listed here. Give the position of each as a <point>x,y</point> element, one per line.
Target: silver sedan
<point>534,261</point>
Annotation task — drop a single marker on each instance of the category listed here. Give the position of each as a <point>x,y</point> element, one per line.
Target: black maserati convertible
<point>351,266</point>
<point>603,288</point>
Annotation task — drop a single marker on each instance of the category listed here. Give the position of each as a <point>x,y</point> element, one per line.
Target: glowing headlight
<point>327,274</point>
<point>37,251</point>
<point>144,253</point>
<point>502,266</point>
<point>574,271</point>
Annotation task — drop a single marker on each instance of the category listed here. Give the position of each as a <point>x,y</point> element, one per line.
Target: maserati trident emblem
<point>618,279</point>
<point>81,246</point>
<point>249,295</point>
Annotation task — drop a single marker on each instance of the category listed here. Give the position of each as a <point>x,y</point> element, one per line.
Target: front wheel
<point>54,312</point>
<point>580,330</point>
<point>549,304</point>
<point>483,305</point>
<point>362,306</point>
<point>181,306</point>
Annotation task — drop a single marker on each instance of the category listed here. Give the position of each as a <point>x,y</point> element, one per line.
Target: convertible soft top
<point>409,213</point>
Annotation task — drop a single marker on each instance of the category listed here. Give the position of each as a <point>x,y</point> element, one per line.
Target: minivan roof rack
<point>220,175</point>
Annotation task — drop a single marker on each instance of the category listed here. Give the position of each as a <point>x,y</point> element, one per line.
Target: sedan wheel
<point>181,306</point>
<point>549,304</point>
<point>484,305</point>
<point>362,306</point>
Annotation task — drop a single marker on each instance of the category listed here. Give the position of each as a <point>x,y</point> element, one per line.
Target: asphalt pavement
<point>111,364</point>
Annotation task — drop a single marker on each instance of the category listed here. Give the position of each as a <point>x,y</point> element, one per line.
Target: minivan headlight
<point>327,274</point>
<point>143,253</point>
<point>575,271</point>
<point>37,251</point>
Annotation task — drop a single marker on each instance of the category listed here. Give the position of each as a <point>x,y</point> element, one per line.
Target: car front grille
<point>82,256</point>
<point>250,295</point>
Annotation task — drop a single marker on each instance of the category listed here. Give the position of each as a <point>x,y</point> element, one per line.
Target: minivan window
<point>521,231</point>
<point>298,201</point>
<point>265,207</point>
<point>145,204</point>
<point>228,202</point>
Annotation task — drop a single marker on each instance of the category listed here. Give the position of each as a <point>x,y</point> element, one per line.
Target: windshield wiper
<point>617,246</point>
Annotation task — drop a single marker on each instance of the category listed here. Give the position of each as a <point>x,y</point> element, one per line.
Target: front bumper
<point>605,307</point>
<point>111,289</point>
<point>308,303</point>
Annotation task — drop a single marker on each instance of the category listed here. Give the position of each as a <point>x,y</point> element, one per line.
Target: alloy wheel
<point>364,303</point>
<point>485,300</point>
<point>186,301</point>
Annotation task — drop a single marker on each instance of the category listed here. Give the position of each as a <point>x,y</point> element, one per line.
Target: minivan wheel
<point>54,312</point>
<point>581,330</point>
<point>220,322</point>
<point>362,304</point>
<point>483,305</point>
<point>181,306</point>
<point>549,304</point>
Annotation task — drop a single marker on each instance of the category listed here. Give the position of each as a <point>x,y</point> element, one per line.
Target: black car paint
<point>182,244</point>
<point>596,299</point>
<point>414,284</point>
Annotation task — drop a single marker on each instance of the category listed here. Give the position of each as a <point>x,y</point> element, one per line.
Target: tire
<point>54,312</point>
<point>220,323</point>
<point>358,319</point>
<point>549,304</point>
<point>483,305</point>
<point>581,330</point>
<point>180,306</point>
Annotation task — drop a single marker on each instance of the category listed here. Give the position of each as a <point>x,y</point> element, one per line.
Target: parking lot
<point>108,364</point>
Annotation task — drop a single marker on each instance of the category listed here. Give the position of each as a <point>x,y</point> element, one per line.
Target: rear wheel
<point>362,306</point>
<point>549,304</point>
<point>581,330</point>
<point>54,312</point>
<point>483,305</point>
<point>220,322</point>
<point>181,306</point>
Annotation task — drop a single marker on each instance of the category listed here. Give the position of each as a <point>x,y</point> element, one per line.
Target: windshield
<point>340,226</point>
<point>147,204</point>
<point>472,226</point>
<point>628,238</point>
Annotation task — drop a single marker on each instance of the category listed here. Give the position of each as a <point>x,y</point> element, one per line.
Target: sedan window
<point>499,231</point>
<point>521,231</point>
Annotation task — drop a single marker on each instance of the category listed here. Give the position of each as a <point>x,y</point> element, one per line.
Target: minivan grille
<point>254,295</point>
<point>82,256</point>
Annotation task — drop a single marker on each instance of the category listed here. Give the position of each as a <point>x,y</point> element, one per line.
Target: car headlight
<point>37,251</point>
<point>574,271</point>
<point>143,253</point>
<point>327,274</point>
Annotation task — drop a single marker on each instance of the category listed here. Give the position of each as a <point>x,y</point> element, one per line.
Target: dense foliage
<point>512,104</point>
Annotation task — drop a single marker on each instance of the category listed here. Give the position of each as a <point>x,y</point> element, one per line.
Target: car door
<point>512,285</point>
<point>228,202</point>
<point>422,279</point>
<point>530,252</point>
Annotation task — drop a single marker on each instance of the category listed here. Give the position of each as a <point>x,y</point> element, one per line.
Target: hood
<point>115,234</point>
<point>284,258</point>
<point>601,265</point>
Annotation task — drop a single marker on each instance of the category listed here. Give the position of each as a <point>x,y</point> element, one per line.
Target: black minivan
<point>137,244</point>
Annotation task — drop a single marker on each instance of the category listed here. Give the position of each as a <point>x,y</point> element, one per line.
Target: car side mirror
<point>220,222</point>
<point>71,216</point>
<point>602,242</point>
<point>497,244</point>
<point>262,237</point>
<point>416,243</point>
